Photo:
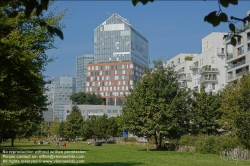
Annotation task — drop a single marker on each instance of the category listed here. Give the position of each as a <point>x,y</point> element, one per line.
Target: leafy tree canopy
<point>157,106</point>
<point>13,8</point>
<point>74,123</point>
<point>86,98</point>
<point>205,113</point>
<point>235,108</point>
<point>23,58</point>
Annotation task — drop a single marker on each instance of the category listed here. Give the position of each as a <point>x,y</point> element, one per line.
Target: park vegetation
<point>159,108</point>
<point>23,59</point>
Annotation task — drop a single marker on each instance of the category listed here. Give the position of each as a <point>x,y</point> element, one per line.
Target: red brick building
<point>112,80</point>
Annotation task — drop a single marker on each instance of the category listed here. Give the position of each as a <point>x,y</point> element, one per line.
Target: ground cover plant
<point>124,155</point>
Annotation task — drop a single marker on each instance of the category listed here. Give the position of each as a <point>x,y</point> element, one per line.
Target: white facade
<point>238,58</point>
<point>94,110</point>
<point>182,67</point>
<point>58,93</point>
<point>206,69</point>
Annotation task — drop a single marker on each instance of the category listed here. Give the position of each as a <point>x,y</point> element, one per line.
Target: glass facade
<point>116,40</point>
<point>81,71</point>
<point>58,94</point>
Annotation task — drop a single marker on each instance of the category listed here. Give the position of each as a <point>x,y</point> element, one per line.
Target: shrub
<point>188,140</point>
<point>130,139</point>
<point>210,144</point>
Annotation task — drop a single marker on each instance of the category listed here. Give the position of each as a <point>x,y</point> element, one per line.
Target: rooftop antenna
<point>109,13</point>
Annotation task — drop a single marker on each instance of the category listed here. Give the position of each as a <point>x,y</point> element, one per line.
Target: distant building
<point>181,63</point>
<point>94,110</point>
<point>113,80</point>
<point>59,91</point>
<point>206,69</point>
<point>81,71</point>
<point>116,40</point>
<point>120,54</point>
<point>238,58</point>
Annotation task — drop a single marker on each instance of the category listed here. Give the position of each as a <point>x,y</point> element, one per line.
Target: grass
<point>124,155</point>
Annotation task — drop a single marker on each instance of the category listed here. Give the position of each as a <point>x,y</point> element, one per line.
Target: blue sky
<point>170,27</point>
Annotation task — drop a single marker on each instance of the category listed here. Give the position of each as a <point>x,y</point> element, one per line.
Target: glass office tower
<point>81,71</point>
<point>116,40</point>
<point>58,93</point>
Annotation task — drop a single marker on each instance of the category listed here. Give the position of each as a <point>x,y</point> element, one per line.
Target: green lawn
<point>123,155</point>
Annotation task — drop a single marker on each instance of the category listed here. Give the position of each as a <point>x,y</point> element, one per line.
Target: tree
<point>23,59</point>
<point>157,106</point>
<point>216,17</point>
<point>61,129</point>
<point>235,108</point>
<point>54,128</point>
<point>86,98</point>
<point>113,127</point>
<point>74,123</point>
<point>205,113</point>
<point>27,129</point>
<point>28,7</point>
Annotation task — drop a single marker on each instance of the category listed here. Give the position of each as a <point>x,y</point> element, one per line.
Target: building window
<point>213,60</point>
<point>213,86</point>
<point>179,61</point>
<point>68,111</point>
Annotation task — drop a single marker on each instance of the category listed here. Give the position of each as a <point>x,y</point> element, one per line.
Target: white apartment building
<point>206,69</point>
<point>209,67</point>
<point>238,58</point>
<point>181,62</point>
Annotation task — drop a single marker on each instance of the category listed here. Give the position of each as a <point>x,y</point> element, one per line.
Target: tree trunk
<point>156,141</point>
<point>160,141</point>
<point>147,145</point>
<point>12,141</point>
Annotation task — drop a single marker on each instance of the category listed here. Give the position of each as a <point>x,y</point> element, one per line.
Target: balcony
<point>220,52</point>
<point>194,66</point>
<point>240,52</point>
<point>183,84</point>
<point>208,69</point>
<point>241,73</point>
<point>185,77</point>
<point>229,56</point>
<point>230,77</point>
<point>181,71</point>
<point>208,78</point>
<point>196,90</point>
<point>236,64</point>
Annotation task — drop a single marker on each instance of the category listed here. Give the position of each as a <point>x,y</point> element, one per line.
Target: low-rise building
<point>94,110</point>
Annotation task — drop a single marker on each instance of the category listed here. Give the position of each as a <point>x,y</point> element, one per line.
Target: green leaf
<point>43,23</point>
<point>216,21</point>
<point>209,18</point>
<point>134,2</point>
<point>232,27</point>
<point>223,17</point>
<point>224,3</point>
<point>233,41</point>
<point>13,14</point>
<point>51,30</point>
<point>58,33</point>
<point>233,2</point>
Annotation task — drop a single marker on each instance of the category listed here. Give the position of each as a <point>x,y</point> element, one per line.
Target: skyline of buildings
<point>112,69</point>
